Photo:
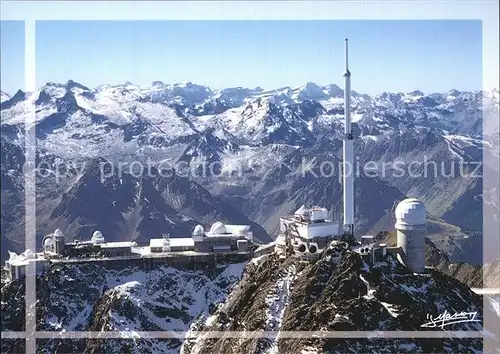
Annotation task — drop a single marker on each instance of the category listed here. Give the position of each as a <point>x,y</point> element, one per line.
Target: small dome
<point>48,242</point>
<point>97,237</point>
<point>218,228</point>
<point>13,256</point>
<point>198,230</point>
<point>28,254</point>
<point>411,211</point>
<point>58,233</point>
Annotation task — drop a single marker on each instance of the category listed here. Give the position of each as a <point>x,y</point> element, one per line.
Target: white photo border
<point>33,11</point>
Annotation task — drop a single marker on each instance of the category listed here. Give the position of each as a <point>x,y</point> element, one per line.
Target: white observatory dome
<point>13,256</point>
<point>198,230</point>
<point>411,212</point>
<point>29,254</point>
<point>97,237</point>
<point>218,228</point>
<point>48,242</point>
<point>58,233</point>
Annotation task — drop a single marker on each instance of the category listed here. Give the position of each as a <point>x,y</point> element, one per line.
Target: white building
<point>97,238</point>
<point>54,243</point>
<point>17,265</point>
<point>411,226</point>
<point>157,245</point>
<point>308,231</point>
<point>220,238</point>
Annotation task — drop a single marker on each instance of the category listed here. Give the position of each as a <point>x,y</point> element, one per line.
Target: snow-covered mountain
<point>253,116</point>
<point>233,141</point>
<point>117,298</point>
<point>338,292</point>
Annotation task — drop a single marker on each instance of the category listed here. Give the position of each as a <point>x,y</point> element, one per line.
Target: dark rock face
<point>117,297</point>
<point>339,292</point>
<point>123,205</point>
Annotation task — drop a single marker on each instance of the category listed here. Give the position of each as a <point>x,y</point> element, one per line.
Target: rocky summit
<point>266,298</point>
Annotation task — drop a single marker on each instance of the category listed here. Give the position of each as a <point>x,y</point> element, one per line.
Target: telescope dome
<point>411,212</point>
<point>48,242</point>
<point>97,237</point>
<point>218,228</point>
<point>198,230</point>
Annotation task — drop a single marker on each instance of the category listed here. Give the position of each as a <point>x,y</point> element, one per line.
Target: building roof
<point>410,212</point>
<point>182,242</point>
<point>48,242</point>
<point>97,237</point>
<point>156,242</point>
<point>238,229</point>
<point>25,258</point>
<point>302,210</point>
<point>122,244</point>
<point>198,230</point>
<point>174,242</point>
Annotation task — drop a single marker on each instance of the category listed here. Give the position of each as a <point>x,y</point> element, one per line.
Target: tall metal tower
<point>348,153</point>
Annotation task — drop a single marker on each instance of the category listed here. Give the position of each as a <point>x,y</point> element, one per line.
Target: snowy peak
<point>185,93</point>
<point>160,115</point>
<point>309,91</point>
<point>416,93</point>
<point>334,91</point>
<point>72,84</point>
<point>454,93</point>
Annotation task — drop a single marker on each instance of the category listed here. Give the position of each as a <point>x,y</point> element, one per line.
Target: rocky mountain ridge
<point>339,292</point>
<point>237,144</point>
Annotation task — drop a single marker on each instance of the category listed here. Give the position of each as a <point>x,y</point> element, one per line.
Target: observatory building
<point>411,226</point>
<point>54,244</point>
<point>16,266</point>
<point>220,238</point>
<point>308,231</point>
<point>97,238</point>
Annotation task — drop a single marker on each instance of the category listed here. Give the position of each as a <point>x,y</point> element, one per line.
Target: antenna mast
<point>348,153</point>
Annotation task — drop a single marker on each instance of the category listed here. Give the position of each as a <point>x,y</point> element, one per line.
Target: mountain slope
<point>337,293</point>
<point>241,136</point>
<point>474,276</point>
<point>125,205</point>
<point>117,298</point>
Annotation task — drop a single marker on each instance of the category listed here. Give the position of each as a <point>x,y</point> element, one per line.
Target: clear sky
<point>429,55</point>
<point>11,56</point>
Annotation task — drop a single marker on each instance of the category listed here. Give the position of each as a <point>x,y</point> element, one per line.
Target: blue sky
<point>432,56</point>
<point>11,55</point>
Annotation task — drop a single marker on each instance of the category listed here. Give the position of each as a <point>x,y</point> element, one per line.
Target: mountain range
<point>243,155</point>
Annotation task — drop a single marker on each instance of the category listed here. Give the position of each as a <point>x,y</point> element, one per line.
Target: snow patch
<point>390,308</point>
<point>277,303</point>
